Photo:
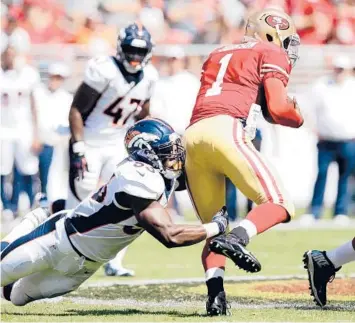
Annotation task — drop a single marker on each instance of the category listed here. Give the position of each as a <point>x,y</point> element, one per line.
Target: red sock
<point>267,215</point>
<point>212,260</point>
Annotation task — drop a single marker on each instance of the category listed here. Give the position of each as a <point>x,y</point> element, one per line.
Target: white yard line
<point>305,305</point>
<point>251,278</point>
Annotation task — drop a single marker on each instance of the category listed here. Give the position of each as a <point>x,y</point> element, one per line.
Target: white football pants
<point>101,161</point>
<point>43,264</point>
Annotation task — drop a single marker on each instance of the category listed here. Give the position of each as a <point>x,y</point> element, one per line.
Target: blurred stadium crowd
<point>32,28</point>
<point>169,21</point>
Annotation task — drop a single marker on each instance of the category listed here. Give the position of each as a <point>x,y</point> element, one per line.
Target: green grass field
<point>280,253</point>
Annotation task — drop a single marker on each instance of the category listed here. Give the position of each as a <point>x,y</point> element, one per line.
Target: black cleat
<point>234,248</point>
<point>320,271</point>
<point>217,305</point>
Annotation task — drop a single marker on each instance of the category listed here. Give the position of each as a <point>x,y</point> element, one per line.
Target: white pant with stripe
<point>43,264</point>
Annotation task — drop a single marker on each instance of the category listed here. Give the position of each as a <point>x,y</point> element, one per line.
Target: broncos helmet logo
<point>141,140</point>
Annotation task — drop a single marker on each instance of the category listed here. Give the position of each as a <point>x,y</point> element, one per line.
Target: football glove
<point>78,164</point>
<point>221,218</point>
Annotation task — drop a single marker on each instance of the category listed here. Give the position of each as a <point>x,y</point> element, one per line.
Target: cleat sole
<point>243,260</point>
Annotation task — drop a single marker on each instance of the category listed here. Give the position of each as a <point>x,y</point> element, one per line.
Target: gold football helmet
<point>273,25</point>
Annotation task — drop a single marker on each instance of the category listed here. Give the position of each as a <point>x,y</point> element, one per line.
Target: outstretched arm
<point>158,223</point>
<point>154,218</point>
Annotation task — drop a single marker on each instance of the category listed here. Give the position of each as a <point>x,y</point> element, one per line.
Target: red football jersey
<point>232,75</point>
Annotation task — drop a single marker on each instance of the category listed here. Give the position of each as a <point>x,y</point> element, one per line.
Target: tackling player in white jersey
<point>43,258</point>
<point>114,94</point>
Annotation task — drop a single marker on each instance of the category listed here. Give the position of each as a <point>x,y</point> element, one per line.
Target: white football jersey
<point>52,113</point>
<point>122,95</point>
<point>101,225</point>
<point>16,88</point>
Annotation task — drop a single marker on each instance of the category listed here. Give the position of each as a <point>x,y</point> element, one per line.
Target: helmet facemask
<point>168,158</point>
<point>291,45</point>
<point>134,58</point>
<point>172,158</point>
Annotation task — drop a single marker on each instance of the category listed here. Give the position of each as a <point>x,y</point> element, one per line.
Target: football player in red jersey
<point>218,141</point>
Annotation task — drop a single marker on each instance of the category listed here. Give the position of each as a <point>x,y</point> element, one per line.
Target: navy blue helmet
<point>155,142</point>
<point>134,47</point>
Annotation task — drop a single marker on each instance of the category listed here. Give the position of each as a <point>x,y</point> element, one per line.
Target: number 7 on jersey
<point>216,87</point>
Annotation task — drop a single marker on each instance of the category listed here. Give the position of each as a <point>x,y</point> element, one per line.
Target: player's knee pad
<point>18,296</point>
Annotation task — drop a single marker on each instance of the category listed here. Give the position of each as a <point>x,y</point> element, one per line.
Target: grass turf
<point>280,253</point>
<point>168,303</point>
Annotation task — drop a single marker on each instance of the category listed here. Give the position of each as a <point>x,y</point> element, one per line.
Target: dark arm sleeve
<point>85,99</point>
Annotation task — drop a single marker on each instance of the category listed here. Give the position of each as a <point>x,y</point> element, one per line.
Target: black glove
<point>221,218</point>
<point>78,164</point>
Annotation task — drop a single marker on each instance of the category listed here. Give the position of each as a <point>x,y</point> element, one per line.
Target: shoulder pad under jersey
<point>99,72</point>
<point>151,73</point>
<point>139,179</point>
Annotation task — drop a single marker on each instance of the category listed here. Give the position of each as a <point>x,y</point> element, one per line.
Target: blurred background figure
<point>20,143</point>
<point>95,35</point>
<point>12,32</point>
<point>174,97</point>
<point>332,101</point>
<point>53,104</point>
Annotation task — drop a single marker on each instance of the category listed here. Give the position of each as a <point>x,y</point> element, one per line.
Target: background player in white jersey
<point>114,94</point>
<point>19,131</point>
<point>53,102</point>
<point>54,256</point>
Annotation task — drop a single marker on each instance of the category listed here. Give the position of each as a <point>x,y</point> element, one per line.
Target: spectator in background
<point>344,31</point>
<point>189,18</point>
<point>152,17</point>
<point>94,32</point>
<point>333,103</point>
<point>41,20</point>
<point>17,34</point>
<point>352,184</point>
<point>78,9</point>
<point>314,20</point>
<point>53,104</point>
<point>20,142</point>
<point>4,37</point>
<point>119,13</point>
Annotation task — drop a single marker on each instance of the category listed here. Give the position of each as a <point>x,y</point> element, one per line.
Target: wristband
<point>212,229</point>
<point>78,147</point>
